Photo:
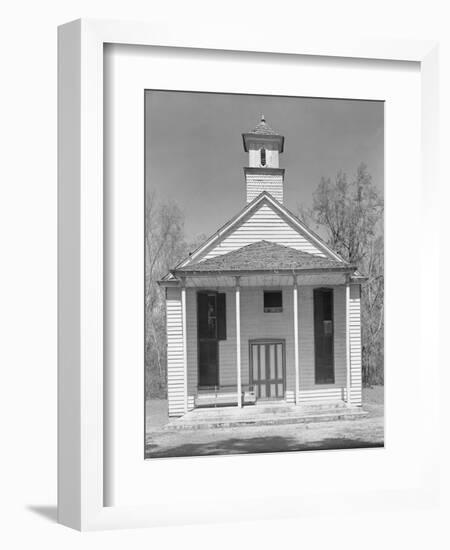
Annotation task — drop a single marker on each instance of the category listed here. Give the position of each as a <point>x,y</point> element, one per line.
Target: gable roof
<point>234,222</point>
<point>264,256</point>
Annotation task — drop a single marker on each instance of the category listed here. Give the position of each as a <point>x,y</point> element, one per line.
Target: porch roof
<point>264,257</point>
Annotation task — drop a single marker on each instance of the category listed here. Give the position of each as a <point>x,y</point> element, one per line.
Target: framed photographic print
<point>235,281</point>
<point>272,311</point>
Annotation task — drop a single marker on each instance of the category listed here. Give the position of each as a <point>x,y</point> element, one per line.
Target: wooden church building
<point>263,309</point>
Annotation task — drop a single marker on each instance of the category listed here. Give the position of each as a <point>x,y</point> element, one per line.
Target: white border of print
<point>82,487</point>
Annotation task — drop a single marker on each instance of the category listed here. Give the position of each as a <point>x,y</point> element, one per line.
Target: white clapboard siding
<point>265,223</point>
<point>257,324</point>
<point>175,359</point>
<point>355,344</point>
<point>324,394</point>
<point>259,182</point>
<point>309,390</point>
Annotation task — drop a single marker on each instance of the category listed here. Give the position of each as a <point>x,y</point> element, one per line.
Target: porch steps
<point>264,415</point>
<point>307,407</point>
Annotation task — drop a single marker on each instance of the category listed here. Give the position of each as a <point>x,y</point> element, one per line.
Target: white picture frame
<point>81,405</point>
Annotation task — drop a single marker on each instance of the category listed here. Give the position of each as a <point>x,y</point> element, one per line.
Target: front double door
<point>267,368</point>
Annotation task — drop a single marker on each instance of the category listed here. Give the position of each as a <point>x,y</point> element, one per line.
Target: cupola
<point>263,172</point>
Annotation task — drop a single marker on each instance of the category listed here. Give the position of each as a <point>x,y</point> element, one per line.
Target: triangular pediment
<point>264,219</point>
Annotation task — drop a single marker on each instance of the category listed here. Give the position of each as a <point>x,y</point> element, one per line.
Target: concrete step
<point>323,405</point>
<point>272,409</point>
<point>293,417</point>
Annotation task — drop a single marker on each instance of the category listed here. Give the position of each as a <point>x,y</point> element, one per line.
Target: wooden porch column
<point>183,320</point>
<point>296,361</point>
<point>347,340</point>
<point>238,340</point>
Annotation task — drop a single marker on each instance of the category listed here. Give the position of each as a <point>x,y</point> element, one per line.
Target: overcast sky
<point>195,156</point>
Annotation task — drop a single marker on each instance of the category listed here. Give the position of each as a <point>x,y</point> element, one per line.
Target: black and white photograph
<point>224,265</point>
<point>264,274</point>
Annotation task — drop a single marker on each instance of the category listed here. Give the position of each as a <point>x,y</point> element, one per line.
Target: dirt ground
<point>340,434</point>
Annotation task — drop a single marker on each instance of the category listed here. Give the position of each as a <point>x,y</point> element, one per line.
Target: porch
<point>252,332</point>
<point>265,414</point>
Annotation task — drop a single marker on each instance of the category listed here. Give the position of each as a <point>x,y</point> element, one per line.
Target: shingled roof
<point>265,256</point>
<point>263,128</point>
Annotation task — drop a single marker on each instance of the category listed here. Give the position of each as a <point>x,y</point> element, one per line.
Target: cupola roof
<point>263,128</point>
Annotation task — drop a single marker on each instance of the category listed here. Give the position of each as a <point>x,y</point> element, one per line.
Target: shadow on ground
<point>269,444</point>
<point>48,512</point>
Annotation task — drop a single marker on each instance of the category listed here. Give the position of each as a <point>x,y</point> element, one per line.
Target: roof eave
<point>263,137</point>
<point>243,272</point>
<point>164,283</point>
<point>359,279</point>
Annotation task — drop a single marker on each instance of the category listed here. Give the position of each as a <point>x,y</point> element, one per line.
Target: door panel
<point>279,360</point>
<point>267,372</point>
<point>272,361</point>
<point>208,365</point>
<point>255,371</point>
<point>262,362</point>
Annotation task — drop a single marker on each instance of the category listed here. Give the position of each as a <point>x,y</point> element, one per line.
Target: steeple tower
<point>263,173</point>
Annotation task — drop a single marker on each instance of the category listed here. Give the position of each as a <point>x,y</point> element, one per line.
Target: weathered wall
<point>309,390</point>
<point>175,363</point>
<point>257,324</point>
<point>264,224</point>
<point>256,183</point>
<point>355,344</point>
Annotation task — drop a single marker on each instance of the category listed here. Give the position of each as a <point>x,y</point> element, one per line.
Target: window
<point>211,315</point>
<point>211,327</point>
<point>273,301</point>
<point>263,157</point>
<point>323,336</point>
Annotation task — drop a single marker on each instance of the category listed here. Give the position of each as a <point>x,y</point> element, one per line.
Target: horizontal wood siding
<point>257,183</point>
<point>257,324</point>
<point>309,390</point>
<point>227,348</point>
<point>263,224</point>
<point>175,363</point>
<point>254,324</point>
<point>355,345</point>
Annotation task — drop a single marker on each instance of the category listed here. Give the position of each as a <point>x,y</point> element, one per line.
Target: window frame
<point>274,309</point>
<point>332,380</point>
<point>263,156</point>
<point>220,333</point>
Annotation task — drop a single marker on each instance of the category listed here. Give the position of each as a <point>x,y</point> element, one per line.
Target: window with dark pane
<point>221,316</point>
<point>263,157</point>
<point>207,321</point>
<point>273,301</point>
<point>211,316</point>
<point>211,327</point>
<point>323,336</point>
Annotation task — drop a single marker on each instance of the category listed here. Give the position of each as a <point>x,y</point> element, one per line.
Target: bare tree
<point>351,216</point>
<point>372,313</point>
<point>165,246</point>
